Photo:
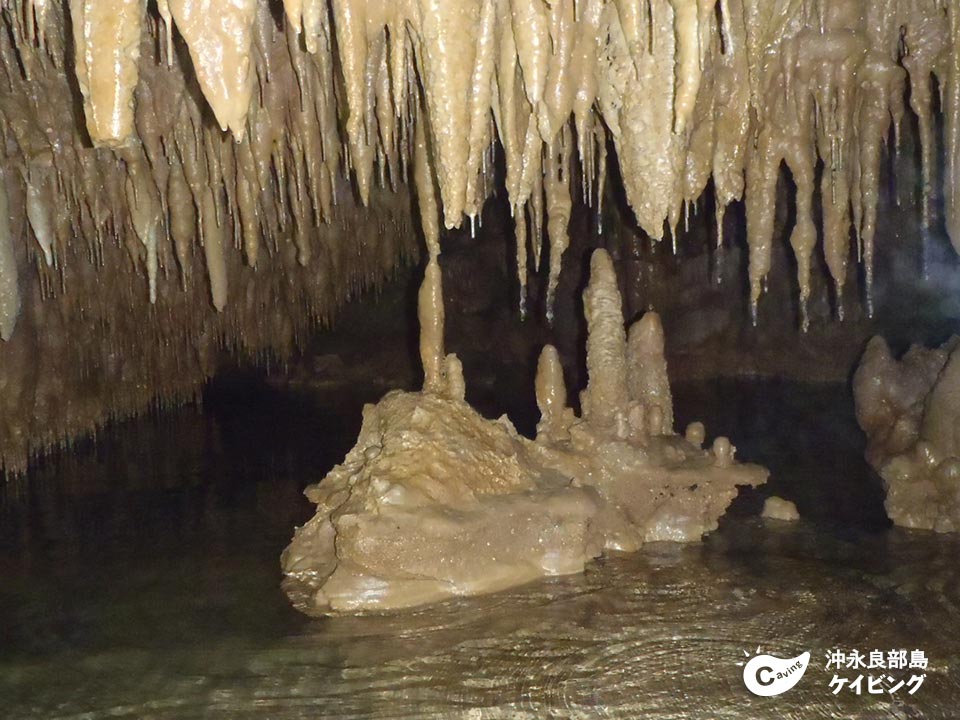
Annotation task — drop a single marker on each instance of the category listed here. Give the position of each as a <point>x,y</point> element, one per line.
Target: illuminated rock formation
<point>160,159</point>
<point>435,501</point>
<point>127,267</point>
<point>910,411</point>
<point>776,508</point>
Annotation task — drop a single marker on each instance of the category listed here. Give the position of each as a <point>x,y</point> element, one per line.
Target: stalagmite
<point>334,107</point>
<point>695,433</point>
<point>606,393</point>
<point>453,375</point>
<point>435,501</point>
<point>940,425</point>
<point>430,315</point>
<point>776,508</point>
<point>551,391</point>
<point>9,280</point>
<point>910,412</point>
<point>647,379</point>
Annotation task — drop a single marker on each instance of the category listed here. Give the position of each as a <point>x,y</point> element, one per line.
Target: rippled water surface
<point>139,578</point>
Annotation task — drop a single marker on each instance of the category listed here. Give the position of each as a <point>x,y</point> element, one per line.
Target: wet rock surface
<point>436,501</point>
<point>909,410</point>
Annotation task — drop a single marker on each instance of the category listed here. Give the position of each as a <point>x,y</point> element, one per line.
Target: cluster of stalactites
<point>832,92</point>
<point>160,179</point>
<point>686,90</point>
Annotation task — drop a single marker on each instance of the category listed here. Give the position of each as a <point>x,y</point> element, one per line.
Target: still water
<point>139,578</point>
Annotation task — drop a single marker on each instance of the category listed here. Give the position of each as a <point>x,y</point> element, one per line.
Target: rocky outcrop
<point>910,411</point>
<point>435,501</point>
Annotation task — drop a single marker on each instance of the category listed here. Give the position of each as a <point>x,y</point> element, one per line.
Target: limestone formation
<point>776,508</point>
<point>910,411</point>
<point>143,139</point>
<point>435,501</point>
<point>9,282</point>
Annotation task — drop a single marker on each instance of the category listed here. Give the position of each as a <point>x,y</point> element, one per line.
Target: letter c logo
<point>767,675</point>
<point>760,673</point>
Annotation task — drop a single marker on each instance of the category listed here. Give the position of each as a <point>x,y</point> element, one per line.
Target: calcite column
<point>647,370</point>
<point>605,398</point>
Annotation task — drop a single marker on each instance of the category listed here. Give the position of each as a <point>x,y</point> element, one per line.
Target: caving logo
<point>766,675</point>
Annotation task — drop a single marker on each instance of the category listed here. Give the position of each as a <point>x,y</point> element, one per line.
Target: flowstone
<point>910,411</point>
<point>436,501</point>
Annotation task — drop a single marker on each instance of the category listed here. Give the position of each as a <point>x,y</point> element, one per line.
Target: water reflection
<point>141,579</point>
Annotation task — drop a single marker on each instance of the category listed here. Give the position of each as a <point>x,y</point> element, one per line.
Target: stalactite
<point>163,8</point>
<point>330,103</point>
<point>219,34</point>
<point>531,30</point>
<point>39,210</point>
<point>559,207</point>
<point>426,196</point>
<point>951,110</point>
<point>213,250</point>
<point>143,201</point>
<point>480,95</point>
<point>183,219</point>
<point>9,280</point>
<point>520,233</point>
<point>688,61</point>
<point>448,36</point>
<point>107,52</point>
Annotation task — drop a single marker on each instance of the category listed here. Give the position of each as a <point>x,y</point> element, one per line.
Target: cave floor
<point>141,579</point>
